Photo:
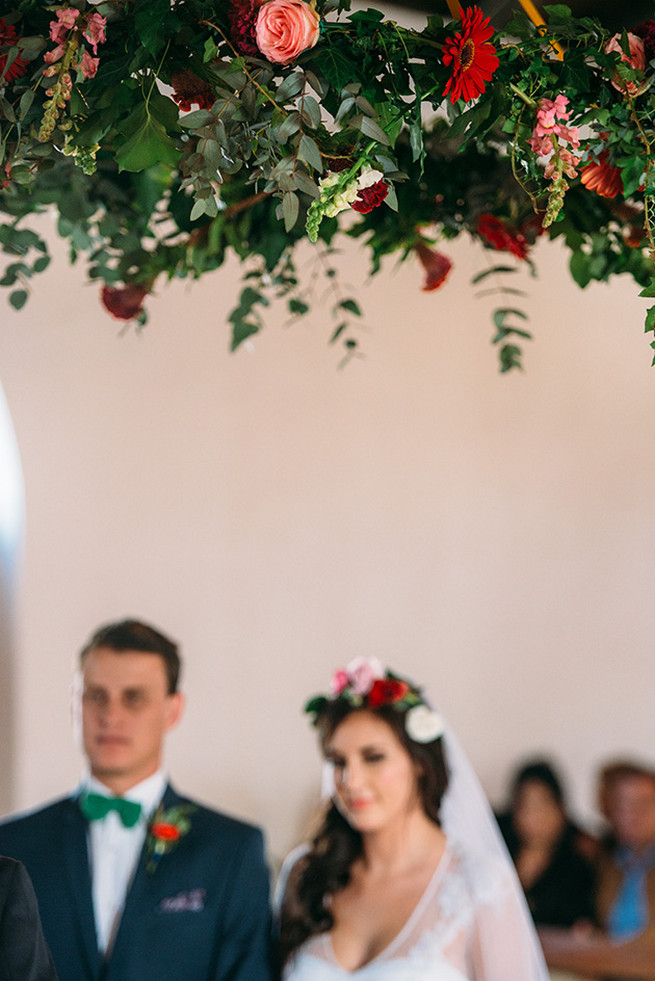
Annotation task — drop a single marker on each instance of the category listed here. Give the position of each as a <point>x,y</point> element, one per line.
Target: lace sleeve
<point>503,946</point>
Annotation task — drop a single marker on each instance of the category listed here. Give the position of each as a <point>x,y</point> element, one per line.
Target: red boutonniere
<point>164,832</point>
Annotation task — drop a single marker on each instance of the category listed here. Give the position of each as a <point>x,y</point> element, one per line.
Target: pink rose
<point>362,672</point>
<point>636,59</point>
<point>338,682</point>
<point>286,28</point>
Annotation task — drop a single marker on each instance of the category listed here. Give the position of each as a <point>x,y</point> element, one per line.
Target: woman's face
<point>538,818</point>
<point>375,778</point>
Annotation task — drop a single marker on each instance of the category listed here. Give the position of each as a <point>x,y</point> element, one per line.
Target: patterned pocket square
<point>184,902</point>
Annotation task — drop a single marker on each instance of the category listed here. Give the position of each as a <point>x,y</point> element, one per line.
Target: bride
<point>407,878</point>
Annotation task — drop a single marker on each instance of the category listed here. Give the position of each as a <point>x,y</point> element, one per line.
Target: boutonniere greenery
<point>164,832</point>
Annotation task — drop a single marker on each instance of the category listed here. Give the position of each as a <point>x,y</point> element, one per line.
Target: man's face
<point>631,809</point>
<point>126,709</point>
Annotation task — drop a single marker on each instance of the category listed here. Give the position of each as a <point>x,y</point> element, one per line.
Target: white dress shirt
<point>114,852</point>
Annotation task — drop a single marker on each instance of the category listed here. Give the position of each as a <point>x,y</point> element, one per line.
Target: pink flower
<point>286,28</point>
<point>636,59</point>
<point>550,115</point>
<point>50,57</point>
<point>436,265</point>
<point>94,31</point>
<point>362,672</point>
<point>89,65</point>
<point>65,22</point>
<point>338,682</point>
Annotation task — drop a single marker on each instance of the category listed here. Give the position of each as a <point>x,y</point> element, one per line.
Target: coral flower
<point>436,265</point>
<point>286,28</point>
<point>18,66</point>
<point>124,302</point>
<point>499,237</point>
<point>473,59</point>
<point>189,91</point>
<point>165,832</point>
<point>602,177</point>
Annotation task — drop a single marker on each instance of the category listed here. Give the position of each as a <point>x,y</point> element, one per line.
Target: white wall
<point>492,536</point>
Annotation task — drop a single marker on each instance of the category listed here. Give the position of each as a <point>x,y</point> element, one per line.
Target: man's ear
<point>175,704</point>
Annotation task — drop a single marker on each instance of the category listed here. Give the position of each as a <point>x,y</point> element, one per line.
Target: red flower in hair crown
<point>365,684</point>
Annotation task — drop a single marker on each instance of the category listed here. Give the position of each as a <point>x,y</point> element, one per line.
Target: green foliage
<point>275,153</point>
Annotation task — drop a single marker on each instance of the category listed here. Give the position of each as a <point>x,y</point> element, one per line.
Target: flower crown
<point>365,684</point>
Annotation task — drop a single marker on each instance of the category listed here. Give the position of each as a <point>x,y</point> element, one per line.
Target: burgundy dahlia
<point>242,16</point>
<point>189,90</point>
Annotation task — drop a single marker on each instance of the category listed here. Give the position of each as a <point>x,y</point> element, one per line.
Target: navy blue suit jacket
<point>201,915</point>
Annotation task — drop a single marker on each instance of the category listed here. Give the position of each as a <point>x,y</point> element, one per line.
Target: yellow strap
<point>455,9</point>
<point>538,21</point>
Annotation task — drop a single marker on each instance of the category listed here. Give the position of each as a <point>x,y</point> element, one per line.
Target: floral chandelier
<point>170,133</point>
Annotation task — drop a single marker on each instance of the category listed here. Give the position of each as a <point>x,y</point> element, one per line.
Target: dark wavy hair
<point>325,868</point>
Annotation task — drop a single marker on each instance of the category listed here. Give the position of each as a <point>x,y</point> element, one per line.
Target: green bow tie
<point>95,806</point>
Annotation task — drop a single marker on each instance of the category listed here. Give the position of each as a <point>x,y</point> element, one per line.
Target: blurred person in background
<point>625,890</point>
<point>548,849</point>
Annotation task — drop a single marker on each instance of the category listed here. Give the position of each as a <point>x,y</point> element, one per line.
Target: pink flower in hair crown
<point>362,673</point>
<point>286,28</point>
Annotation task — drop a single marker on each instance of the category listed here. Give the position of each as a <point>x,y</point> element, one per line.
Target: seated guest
<point>24,954</point>
<point>625,897</point>
<point>546,847</point>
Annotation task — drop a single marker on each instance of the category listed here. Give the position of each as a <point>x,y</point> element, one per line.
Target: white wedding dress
<point>464,928</point>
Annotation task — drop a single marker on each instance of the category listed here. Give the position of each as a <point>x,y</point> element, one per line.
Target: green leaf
<point>375,132</point>
<point>18,299</point>
<point>290,209</point>
<point>650,319</point>
<point>148,145</point>
<point>336,66</point>
<point>351,307</point>
<point>649,290</point>
<point>490,272</point>
<point>242,330</point>
<point>310,153</point>
<point>155,23</point>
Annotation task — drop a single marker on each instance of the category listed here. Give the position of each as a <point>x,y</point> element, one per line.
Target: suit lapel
<point>138,891</point>
<point>78,877</point>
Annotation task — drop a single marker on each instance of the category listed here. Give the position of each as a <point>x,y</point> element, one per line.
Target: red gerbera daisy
<point>436,265</point>
<point>18,67</point>
<point>124,302</point>
<point>602,177</point>
<point>370,197</point>
<point>189,91</point>
<point>499,236</point>
<point>472,58</point>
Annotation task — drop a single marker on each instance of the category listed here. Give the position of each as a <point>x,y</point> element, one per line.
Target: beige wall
<point>492,536</point>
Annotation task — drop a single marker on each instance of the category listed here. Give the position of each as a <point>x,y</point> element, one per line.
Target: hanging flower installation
<point>169,133</point>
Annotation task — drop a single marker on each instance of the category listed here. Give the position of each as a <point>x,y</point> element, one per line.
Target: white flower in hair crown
<point>364,683</point>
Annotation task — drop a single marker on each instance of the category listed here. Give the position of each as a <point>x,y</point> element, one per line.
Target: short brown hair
<point>133,635</point>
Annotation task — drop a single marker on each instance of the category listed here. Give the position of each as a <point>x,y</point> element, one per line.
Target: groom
<point>134,882</point>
